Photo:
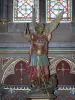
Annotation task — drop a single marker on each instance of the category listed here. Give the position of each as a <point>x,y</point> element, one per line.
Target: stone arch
<point>54,65</point>
<point>10,68</point>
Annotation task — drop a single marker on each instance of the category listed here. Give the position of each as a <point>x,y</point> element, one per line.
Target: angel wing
<point>54,24</point>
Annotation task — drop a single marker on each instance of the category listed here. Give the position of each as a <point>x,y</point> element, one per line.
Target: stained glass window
<point>53,7</point>
<point>22,10</point>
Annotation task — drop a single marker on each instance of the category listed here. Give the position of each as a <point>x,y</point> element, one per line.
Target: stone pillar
<point>1,4</point>
<point>10,10</point>
<point>3,10</point>
<point>0,96</point>
<point>73,10</point>
<point>42,10</point>
<point>3,16</point>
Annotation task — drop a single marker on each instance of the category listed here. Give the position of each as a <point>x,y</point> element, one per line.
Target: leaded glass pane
<point>22,10</point>
<point>53,7</point>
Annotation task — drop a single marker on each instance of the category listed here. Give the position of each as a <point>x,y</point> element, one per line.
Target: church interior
<point>15,19</point>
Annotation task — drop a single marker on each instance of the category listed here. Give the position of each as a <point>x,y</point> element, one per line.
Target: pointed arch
<point>10,68</point>
<point>54,65</point>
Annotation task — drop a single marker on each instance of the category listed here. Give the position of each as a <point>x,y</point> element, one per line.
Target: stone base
<point>42,97</point>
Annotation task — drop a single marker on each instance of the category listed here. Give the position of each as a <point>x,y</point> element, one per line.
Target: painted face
<point>39,28</point>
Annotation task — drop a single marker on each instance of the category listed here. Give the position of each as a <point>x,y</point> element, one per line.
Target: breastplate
<point>39,48</point>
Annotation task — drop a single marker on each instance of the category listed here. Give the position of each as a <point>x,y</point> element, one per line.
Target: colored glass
<point>53,7</point>
<point>22,10</point>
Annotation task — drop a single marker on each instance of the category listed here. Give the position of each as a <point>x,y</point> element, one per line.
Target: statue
<point>39,40</point>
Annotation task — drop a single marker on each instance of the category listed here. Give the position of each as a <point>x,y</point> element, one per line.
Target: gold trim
<point>61,50</point>
<point>13,63</point>
<point>55,63</point>
<point>27,51</point>
<point>14,51</point>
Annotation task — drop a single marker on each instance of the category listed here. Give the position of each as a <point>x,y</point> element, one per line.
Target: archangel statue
<point>39,39</point>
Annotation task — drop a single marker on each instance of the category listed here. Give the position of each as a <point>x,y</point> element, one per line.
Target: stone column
<point>1,95</point>
<point>1,4</point>
<point>3,10</point>
<point>42,10</point>
<point>73,10</point>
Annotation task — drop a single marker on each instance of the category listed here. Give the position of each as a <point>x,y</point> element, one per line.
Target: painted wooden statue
<point>39,40</point>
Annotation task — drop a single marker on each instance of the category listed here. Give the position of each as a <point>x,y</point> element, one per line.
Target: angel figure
<point>39,40</point>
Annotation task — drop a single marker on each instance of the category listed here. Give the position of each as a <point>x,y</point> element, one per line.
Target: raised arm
<point>50,28</point>
<point>55,22</point>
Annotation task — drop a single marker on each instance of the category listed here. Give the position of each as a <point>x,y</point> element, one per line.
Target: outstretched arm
<point>54,24</point>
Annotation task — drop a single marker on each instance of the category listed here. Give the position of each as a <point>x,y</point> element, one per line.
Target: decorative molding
<point>51,59</point>
<point>27,51</point>
<point>10,69</point>
<point>66,89</point>
<point>17,88</point>
<point>73,57</point>
<point>26,44</point>
<point>54,64</point>
<point>14,51</point>
<point>9,59</point>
